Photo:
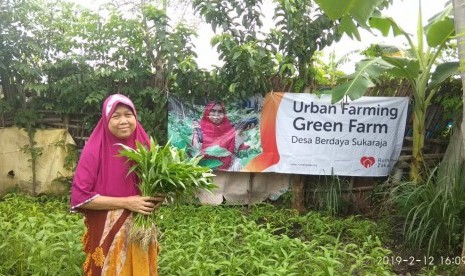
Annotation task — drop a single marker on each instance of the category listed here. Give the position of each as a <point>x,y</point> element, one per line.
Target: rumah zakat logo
<point>367,161</point>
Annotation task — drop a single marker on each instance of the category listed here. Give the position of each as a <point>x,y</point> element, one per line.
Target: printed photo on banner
<point>226,134</point>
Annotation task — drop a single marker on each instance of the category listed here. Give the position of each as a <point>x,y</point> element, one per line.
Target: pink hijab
<point>100,171</point>
<point>223,135</point>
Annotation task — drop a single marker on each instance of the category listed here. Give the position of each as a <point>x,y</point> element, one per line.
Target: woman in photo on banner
<point>215,131</point>
<point>107,196</point>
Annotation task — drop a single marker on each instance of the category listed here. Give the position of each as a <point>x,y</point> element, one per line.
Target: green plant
<point>39,236</point>
<point>418,65</point>
<point>222,240</point>
<point>328,194</point>
<point>35,153</point>
<point>434,211</point>
<point>163,170</point>
<point>72,154</point>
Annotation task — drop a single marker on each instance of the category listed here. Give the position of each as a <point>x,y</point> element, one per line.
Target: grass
<point>327,194</point>
<point>434,211</point>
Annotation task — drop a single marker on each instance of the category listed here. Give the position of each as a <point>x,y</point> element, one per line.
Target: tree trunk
<point>459,18</point>
<point>298,202</point>
<point>417,166</point>
<point>33,162</point>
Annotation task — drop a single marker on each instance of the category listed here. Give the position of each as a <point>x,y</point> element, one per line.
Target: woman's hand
<point>144,204</point>
<point>158,200</point>
<point>139,204</point>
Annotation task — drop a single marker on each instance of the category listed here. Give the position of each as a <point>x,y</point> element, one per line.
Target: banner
<point>298,133</point>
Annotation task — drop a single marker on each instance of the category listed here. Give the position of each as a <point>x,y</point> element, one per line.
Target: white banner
<point>306,134</point>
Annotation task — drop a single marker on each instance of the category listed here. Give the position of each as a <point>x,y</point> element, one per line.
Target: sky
<point>404,12</point>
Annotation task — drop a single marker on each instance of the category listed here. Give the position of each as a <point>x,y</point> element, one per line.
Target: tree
<point>253,58</point>
<point>248,63</point>
<point>20,50</point>
<point>57,54</point>
<point>301,30</point>
<point>416,64</point>
<point>352,14</point>
<point>459,19</point>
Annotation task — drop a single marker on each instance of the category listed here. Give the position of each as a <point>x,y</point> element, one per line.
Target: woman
<point>107,195</point>
<point>215,129</point>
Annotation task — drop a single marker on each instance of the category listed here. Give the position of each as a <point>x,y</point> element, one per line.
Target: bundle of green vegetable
<point>164,170</point>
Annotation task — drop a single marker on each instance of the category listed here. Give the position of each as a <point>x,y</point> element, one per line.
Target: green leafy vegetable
<point>164,170</point>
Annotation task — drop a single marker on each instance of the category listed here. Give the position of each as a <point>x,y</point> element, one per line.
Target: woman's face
<point>122,122</point>
<point>216,114</point>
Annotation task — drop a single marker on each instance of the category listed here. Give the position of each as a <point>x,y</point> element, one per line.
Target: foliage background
<point>60,57</point>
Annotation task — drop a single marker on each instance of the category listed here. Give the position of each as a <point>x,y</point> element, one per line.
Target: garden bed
<point>40,236</point>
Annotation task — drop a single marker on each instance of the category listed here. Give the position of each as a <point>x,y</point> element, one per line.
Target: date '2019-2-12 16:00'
<point>424,260</point>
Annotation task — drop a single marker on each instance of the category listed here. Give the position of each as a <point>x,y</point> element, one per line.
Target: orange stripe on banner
<point>270,155</point>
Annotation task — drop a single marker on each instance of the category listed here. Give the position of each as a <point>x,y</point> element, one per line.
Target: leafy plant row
<point>267,241</point>
<point>40,237</point>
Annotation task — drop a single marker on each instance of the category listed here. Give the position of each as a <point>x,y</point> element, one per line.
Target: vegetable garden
<point>40,237</point>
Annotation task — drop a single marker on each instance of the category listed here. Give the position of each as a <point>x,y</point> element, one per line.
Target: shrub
<point>434,211</point>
